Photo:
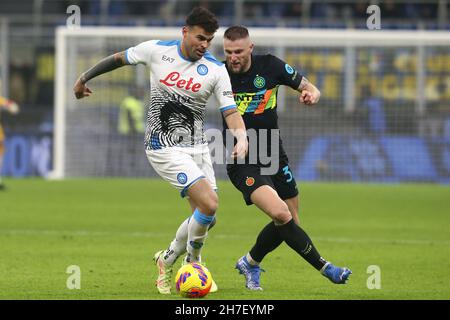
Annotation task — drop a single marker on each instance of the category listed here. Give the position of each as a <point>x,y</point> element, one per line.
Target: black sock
<point>268,240</point>
<point>298,240</point>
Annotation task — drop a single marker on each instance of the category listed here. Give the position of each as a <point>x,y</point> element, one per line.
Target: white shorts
<point>183,166</point>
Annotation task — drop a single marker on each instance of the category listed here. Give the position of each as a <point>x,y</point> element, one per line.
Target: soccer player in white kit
<point>183,76</point>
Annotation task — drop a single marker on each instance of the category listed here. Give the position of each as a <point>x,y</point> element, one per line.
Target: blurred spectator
<point>117,7</point>
<point>390,10</point>
<point>13,108</point>
<point>295,10</point>
<point>412,10</point>
<point>275,10</point>
<point>253,10</point>
<point>131,116</point>
<point>346,11</point>
<point>360,10</point>
<point>213,6</point>
<point>21,83</point>
<point>324,11</point>
<point>428,11</point>
<point>138,7</point>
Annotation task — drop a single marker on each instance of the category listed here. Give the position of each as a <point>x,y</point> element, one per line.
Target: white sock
<point>178,245</point>
<point>197,233</point>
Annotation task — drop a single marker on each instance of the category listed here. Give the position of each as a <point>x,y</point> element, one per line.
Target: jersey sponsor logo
<point>182,177</point>
<point>256,102</point>
<point>289,69</point>
<point>202,70</point>
<point>249,97</point>
<point>250,181</point>
<point>259,82</point>
<point>173,79</point>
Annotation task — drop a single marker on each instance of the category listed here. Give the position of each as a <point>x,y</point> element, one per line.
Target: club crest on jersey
<point>250,181</point>
<point>202,70</point>
<point>182,177</point>
<point>259,82</point>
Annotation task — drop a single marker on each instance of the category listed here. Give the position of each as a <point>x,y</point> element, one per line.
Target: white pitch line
<point>88,233</point>
<point>385,241</point>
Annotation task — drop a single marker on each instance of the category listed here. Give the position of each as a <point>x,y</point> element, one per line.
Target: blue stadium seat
<point>409,158</point>
<point>307,167</point>
<point>446,133</point>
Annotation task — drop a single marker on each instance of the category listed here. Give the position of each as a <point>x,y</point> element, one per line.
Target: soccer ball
<point>193,280</point>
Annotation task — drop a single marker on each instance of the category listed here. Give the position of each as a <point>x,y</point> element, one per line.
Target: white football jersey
<point>180,89</point>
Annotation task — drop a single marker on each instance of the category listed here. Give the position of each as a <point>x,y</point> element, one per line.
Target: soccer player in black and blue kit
<point>255,80</point>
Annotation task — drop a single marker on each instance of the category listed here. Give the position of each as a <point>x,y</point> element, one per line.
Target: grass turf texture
<point>111,228</point>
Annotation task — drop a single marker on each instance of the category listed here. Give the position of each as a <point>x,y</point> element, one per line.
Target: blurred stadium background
<point>384,115</point>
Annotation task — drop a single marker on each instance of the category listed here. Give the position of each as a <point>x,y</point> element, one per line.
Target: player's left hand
<point>309,97</point>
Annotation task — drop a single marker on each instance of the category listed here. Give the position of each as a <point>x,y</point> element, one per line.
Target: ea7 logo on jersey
<point>166,58</point>
<point>173,79</point>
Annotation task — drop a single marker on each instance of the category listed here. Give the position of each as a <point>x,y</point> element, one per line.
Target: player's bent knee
<point>213,204</point>
<point>281,215</point>
<point>209,205</point>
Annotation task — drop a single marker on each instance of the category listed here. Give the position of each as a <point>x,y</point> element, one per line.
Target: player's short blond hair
<point>234,33</point>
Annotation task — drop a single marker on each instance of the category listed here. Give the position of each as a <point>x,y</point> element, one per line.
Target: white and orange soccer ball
<point>193,280</point>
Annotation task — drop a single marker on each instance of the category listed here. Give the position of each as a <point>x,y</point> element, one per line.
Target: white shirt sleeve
<point>223,90</point>
<point>140,53</point>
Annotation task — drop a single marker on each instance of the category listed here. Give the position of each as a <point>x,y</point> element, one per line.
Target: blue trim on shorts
<point>184,191</point>
<point>202,218</point>
<point>126,57</point>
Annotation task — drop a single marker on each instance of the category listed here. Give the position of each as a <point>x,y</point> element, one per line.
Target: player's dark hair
<point>234,33</point>
<point>204,18</point>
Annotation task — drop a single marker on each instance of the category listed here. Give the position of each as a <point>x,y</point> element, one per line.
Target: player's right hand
<point>240,149</point>
<point>81,90</point>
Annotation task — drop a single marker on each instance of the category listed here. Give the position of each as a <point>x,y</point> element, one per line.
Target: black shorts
<point>247,178</point>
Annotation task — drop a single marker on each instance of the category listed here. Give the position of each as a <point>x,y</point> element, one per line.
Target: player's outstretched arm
<point>110,63</point>
<point>309,94</point>
<point>237,127</point>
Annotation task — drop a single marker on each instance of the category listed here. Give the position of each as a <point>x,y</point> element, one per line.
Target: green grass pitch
<point>110,228</point>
